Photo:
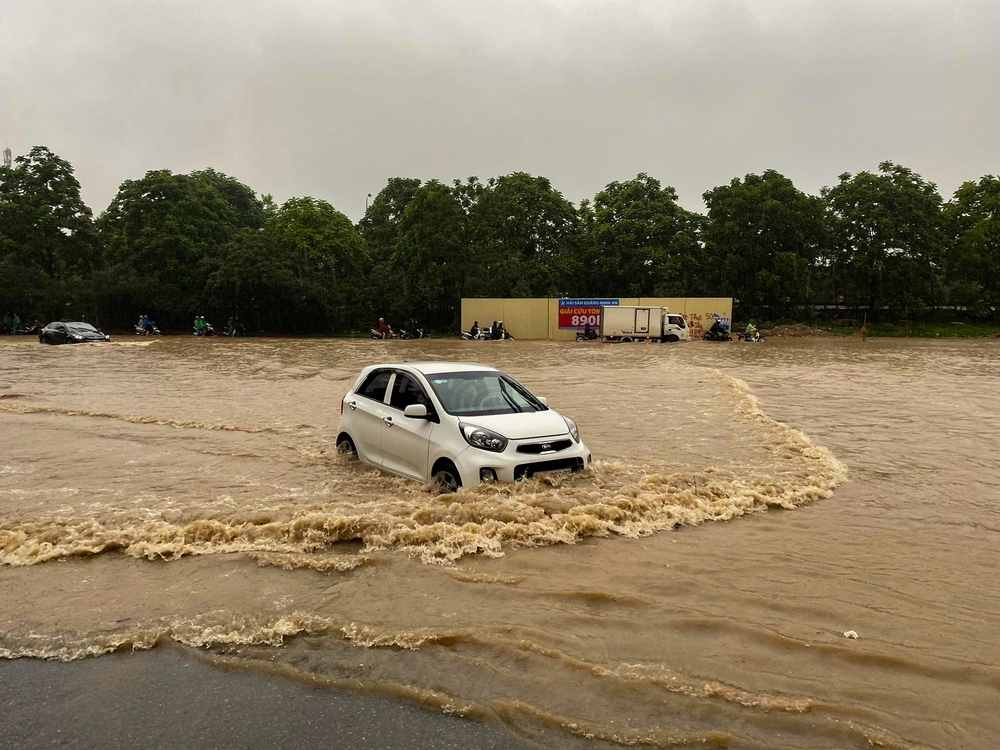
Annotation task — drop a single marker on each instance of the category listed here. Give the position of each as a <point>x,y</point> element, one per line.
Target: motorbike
<point>411,335</point>
<point>149,330</point>
<point>234,329</point>
<point>590,335</point>
<point>206,331</point>
<point>376,334</point>
<point>753,339</point>
<point>711,335</point>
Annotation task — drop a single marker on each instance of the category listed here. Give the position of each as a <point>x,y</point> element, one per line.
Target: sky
<point>330,98</point>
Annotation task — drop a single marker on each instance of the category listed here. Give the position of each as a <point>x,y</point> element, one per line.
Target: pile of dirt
<point>799,330</point>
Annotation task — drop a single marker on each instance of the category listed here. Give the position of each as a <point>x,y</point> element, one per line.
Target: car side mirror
<point>542,400</point>
<point>415,411</point>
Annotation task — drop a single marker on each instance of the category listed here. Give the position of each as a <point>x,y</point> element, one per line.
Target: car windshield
<point>479,393</point>
<point>81,327</point>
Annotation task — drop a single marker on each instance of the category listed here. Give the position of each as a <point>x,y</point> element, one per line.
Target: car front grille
<point>553,446</point>
<point>527,470</point>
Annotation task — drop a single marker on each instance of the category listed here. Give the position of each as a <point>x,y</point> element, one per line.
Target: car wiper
<point>527,396</point>
<point>506,396</point>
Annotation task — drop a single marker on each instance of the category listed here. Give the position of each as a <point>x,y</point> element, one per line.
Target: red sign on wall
<point>579,313</point>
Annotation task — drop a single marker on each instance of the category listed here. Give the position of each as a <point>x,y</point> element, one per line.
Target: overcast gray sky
<point>330,98</point>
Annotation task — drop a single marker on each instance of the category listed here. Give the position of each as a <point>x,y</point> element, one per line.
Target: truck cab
<point>675,328</point>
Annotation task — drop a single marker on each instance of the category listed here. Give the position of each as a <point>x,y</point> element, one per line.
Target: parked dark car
<point>70,333</point>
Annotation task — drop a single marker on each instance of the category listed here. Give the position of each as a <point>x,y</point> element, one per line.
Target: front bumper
<point>476,465</point>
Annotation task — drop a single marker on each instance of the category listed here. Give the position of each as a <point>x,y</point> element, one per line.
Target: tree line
<point>883,244</point>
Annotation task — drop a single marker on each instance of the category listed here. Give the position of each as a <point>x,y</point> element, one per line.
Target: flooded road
<point>749,505</point>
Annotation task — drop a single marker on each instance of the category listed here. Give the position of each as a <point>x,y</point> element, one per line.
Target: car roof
<point>433,368</point>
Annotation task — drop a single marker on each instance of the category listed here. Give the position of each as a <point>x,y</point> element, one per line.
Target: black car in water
<point>70,333</point>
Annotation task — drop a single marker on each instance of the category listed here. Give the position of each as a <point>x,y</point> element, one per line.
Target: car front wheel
<point>446,477</point>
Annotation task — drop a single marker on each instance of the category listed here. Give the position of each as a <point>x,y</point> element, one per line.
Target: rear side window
<point>375,385</point>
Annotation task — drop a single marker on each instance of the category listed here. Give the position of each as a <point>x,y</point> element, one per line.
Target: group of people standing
<point>11,323</point>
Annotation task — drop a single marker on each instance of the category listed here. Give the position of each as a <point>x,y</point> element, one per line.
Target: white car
<point>460,424</point>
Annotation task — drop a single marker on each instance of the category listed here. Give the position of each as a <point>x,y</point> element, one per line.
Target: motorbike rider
<point>474,331</point>
<point>384,329</point>
<point>717,328</point>
<point>413,330</point>
<point>588,331</point>
<point>751,332</point>
<point>497,332</point>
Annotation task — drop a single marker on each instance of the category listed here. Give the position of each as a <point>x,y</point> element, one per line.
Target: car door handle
<point>388,421</point>
<point>353,405</point>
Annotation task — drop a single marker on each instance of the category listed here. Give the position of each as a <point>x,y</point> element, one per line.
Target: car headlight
<point>480,437</point>
<point>573,431</point>
<point>77,336</point>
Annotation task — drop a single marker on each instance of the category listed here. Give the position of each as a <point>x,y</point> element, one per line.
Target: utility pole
<point>6,157</point>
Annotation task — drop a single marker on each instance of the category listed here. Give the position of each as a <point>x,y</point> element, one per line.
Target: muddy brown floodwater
<point>749,505</point>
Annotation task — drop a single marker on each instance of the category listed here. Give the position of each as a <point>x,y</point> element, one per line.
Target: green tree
<point>321,244</point>
<point>525,231</point>
<point>47,238</point>
<point>642,243</point>
<point>889,238</point>
<point>763,235</point>
<point>432,255</point>
<point>380,230</point>
<point>973,221</point>
<point>302,272</point>
<point>160,231</point>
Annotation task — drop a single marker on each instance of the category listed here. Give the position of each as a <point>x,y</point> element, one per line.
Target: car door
<point>367,405</point>
<point>405,440</point>
<point>61,336</point>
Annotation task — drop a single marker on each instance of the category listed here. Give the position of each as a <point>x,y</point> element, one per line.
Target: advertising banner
<point>578,313</point>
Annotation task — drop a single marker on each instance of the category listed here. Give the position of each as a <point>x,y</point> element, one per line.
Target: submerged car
<point>459,424</point>
<point>70,333</point>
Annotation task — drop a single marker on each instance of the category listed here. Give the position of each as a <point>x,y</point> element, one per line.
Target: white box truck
<point>628,323</point>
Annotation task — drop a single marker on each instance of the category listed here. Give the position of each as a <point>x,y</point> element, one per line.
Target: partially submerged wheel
<point>626,339</point>
<point>346,445</point>
<point>446,477</point>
